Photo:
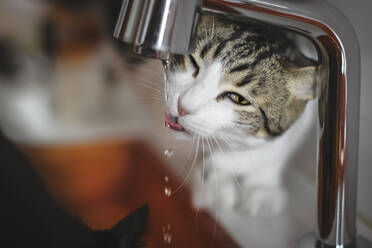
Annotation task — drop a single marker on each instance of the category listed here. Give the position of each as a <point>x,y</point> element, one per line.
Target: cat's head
<point>240,81</point>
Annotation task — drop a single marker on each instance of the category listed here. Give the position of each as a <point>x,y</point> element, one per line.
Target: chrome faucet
<point>157,28</point>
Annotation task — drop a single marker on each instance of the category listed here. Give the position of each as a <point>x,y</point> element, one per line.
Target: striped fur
<point>259,64</point>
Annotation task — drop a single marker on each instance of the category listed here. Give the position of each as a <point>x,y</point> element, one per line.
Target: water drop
<point>168,153</point>
<point>167,238</point>
<point>165,62</point>
<point>167,191</point>
<point>166,179</point>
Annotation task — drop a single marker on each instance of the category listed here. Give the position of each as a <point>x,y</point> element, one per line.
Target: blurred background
<point>88,115</point>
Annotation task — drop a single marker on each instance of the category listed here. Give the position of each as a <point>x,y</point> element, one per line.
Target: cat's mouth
<point>172,122</point>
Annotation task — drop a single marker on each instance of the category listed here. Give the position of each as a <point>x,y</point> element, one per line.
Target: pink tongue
<point>171,122</point>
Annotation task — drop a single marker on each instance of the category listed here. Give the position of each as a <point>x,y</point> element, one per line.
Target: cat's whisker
<point>156,98</point>
<point>228,142</point>
<point>229,146</point>
<point>152,72</point>
<point>151,66</point>
<point>150,98</point>
<point>155,85</point>
<point>215,172</point>
<point>146,66</point>
<point>144,84</point>
<point>153,88</point>
<point>232,169</point>
<point>189,152</point>
<point>147,81</point>
<point>192,166</point>
<point>202,182</point>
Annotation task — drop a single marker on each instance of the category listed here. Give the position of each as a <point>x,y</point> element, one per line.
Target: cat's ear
<point>303,82</point>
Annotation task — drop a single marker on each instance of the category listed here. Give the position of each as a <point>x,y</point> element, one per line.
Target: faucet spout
<point>159,27</point>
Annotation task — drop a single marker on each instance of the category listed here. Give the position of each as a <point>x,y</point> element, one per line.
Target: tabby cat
<point>246,93</point>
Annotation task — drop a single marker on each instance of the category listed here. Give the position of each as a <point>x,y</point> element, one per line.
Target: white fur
<point>197,96</point>
<point>241,172</point>
<point>255,174</point>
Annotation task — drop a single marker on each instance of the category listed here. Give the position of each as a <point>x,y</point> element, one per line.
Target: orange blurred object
<point>103,182</point>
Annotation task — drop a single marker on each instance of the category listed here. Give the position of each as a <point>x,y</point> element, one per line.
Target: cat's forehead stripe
<point>206,49</point>
<point>234,36</point>
<point>239,45</point>
<point>241,67</point>
<point>243,54</point>
<point>261,56</point>
<point>246,80</point>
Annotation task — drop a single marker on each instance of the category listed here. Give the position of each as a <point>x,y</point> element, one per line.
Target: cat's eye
<point>238,99</point>
<point>195,65</point>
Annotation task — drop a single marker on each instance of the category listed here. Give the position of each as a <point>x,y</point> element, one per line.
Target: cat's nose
<point>181,109</point>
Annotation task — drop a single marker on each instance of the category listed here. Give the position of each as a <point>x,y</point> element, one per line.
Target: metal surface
<point>310,241</point>
<point>158,27</point>
<point>339,103</point>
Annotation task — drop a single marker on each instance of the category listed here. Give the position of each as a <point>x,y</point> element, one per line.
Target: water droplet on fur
<point>168,153</point>
<point>167,191</point>
<point>166,179</point>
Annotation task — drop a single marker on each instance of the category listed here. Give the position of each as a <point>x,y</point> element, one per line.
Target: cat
<point>248,94</point>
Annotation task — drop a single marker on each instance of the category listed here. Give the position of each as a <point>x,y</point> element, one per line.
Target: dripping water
<point>168,153</point>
